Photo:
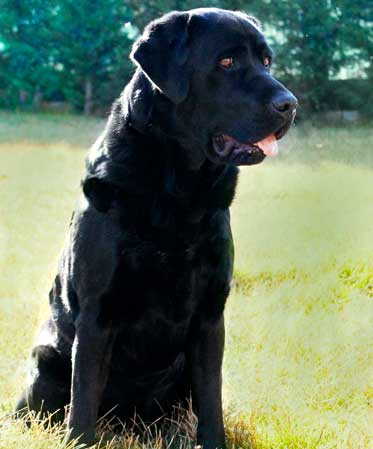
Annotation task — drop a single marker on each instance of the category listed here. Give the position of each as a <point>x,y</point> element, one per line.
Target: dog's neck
<point>131,162</point>
<point>156,119</point>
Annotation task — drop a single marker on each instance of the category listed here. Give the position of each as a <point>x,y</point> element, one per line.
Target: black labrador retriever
<point>137,304</point>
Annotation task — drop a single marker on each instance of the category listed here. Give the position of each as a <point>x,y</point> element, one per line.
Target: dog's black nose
<point>284,103</point>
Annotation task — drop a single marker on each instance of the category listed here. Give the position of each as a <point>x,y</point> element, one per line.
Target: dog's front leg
<point>91,356</point>
<point>206,357</point>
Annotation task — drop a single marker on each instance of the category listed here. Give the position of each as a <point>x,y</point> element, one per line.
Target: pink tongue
<point>268,146</point>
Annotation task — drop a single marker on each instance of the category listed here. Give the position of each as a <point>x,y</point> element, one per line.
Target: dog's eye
<point>226,63</point>
<point>267,62</point>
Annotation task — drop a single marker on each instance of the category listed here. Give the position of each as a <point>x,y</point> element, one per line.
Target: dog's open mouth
<point>229,150</point>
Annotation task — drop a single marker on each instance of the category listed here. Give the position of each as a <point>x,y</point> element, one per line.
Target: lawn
<point>298,369</point>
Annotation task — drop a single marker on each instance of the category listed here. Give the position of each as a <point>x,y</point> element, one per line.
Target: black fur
<point>137,304</point>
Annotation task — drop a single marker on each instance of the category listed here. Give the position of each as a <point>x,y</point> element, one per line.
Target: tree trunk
<point>22,97</point>
<point>38,96</point>
<point>88,96</point>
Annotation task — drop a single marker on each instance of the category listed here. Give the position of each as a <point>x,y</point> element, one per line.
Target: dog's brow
<point>237,50</point>
<point>262,47</point>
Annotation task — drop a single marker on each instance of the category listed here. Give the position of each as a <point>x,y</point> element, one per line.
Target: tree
<point>79,49</point>
<point>144,12</point>
<point>93,45</point>
<point>26,45</point>
<point>65,46</point>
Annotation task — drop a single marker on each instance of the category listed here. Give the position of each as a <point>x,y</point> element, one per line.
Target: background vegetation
<point>54,51</point>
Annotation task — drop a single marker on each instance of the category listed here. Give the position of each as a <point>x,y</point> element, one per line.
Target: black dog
<point>137,304</point>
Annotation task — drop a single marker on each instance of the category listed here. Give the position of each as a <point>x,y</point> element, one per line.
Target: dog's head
<point>212,67</point>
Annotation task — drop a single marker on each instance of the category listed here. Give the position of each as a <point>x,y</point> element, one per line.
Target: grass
<point>298,369</point>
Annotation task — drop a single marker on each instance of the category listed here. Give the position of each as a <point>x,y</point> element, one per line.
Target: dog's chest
<point>152,299</point>
<point>154,340</point>
<point>155,285</point>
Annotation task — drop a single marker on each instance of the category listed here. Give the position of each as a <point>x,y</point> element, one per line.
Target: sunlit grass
<point>75,131</point>
<point>298,369</point>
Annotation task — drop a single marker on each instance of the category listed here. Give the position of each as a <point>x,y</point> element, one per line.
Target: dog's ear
<point>162,52</point>
<point>137,101</point>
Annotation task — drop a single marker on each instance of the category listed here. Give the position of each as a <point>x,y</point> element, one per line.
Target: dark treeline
<point>75,53</point>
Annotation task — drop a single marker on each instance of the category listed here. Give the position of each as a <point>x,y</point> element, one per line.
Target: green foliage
<point>24,60</point>
<point>350,94</point>
<point>93,44</point>
<point>314,40</point>
<point>64,48</point>
<point>78,50</point>
<point>145,12</point>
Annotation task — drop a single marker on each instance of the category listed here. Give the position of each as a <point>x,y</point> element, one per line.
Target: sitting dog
<point>137,304</point>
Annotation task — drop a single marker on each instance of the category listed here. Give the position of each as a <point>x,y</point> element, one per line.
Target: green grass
<point>298,370</point>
